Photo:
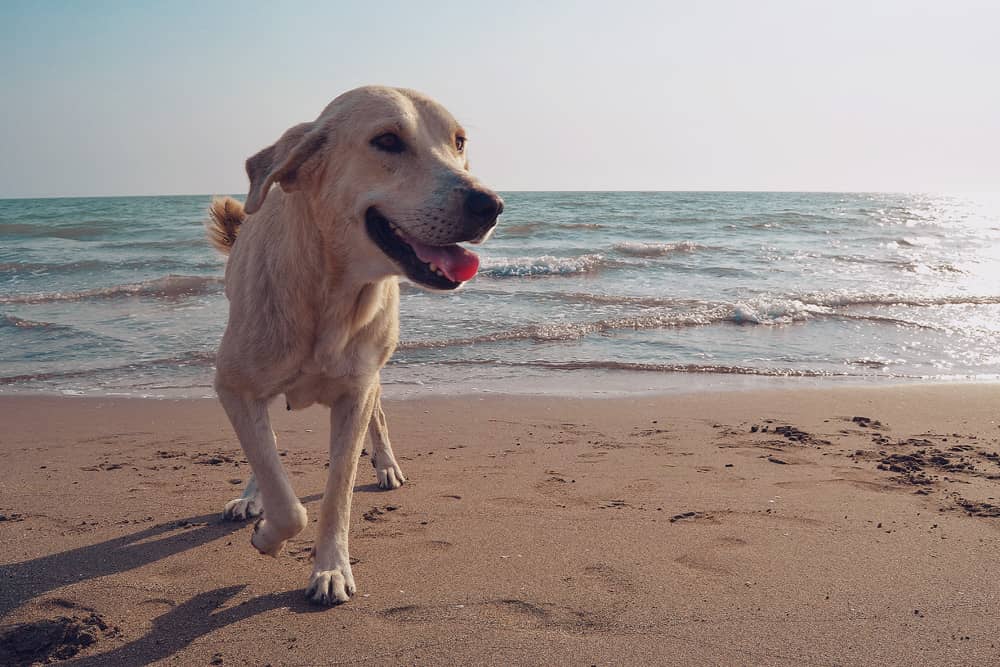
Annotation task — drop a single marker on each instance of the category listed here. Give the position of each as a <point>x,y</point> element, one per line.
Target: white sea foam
<point>777,311</point>
<point>845,299</point>
<point>545,265</point>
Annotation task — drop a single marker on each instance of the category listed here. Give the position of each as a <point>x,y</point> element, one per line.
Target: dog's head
<point>385,172</point>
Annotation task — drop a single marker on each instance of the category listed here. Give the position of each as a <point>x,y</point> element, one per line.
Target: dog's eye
<point>389,142</point>
<point>460,144</point>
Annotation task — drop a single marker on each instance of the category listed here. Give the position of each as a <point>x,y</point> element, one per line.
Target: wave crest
<point>197,359</point>
<point>671,314</point>
<point>637,249</point>
<point>774,313</point>
<point>168,287</point>
<point>546,265</point>
<point>651,368</point>
<point>21,323</point>
<point>781,311</point>
<point>887,299</point>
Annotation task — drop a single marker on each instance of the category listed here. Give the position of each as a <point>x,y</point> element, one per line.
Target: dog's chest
<point>327,377</point>
<point>345,358</point>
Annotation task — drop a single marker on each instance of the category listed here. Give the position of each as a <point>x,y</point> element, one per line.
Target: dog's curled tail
<point>225,217</point>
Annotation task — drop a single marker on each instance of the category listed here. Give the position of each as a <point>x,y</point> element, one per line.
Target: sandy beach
<point>819,527</point>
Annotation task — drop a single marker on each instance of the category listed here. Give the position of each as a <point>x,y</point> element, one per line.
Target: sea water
<point>578,293</point>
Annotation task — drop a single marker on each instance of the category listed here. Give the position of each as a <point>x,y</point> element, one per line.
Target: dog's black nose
<point>483,205</point>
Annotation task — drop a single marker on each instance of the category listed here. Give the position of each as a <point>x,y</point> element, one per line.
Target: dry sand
<point>775,528</point>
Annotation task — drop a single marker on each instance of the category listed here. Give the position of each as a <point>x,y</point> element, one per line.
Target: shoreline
<point>831,526</point>
<point>613,384</point>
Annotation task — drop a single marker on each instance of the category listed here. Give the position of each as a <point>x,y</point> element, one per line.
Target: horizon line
<point>518,191</point>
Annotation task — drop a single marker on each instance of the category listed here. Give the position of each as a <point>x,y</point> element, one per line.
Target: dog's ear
<point>280,163</point>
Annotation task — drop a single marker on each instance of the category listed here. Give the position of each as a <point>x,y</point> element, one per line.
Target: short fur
<point>314,302</point>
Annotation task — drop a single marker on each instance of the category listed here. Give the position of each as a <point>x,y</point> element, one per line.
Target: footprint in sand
<point>439,545</point>
<point>712,557</point>
<point>504,613</point>
<point>46,640</point>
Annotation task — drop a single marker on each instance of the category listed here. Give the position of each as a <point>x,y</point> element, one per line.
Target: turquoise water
<point>579,292</point>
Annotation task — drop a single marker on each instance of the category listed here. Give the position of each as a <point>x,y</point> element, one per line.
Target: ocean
<point>579,293</point>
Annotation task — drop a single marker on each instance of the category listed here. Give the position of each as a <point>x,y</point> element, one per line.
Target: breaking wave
<point>21,323</point>
<point>168,287</point>
<point>522,229</point>
<point>774,312</point>
<point>96,266</point>
<point>651,368</point>
<point>581,225</point>
<point>70,232</point>
<point>636,249</point>
<point>681,313</point>
<point>766,313</point>
<point>546,265</point>
<point>561,331</point>
<point>202,359</point>
<point>843,300</point>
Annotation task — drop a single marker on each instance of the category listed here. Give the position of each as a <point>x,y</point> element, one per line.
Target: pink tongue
<point>457,263</point>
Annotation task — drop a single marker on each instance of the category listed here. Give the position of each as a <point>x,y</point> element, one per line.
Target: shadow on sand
<point>177,628</point>
<point>29,579</point>
<point>183,623</point>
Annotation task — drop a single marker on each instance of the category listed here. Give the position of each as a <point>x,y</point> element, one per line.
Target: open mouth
<point>443,267</point>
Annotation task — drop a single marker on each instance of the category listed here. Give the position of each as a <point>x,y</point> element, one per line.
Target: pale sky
<point>119,98</point>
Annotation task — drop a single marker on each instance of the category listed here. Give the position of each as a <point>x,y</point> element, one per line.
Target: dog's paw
<point>331,587</point>
<point>390,476</point>
<point>269,535</point>
<point>241,509</point>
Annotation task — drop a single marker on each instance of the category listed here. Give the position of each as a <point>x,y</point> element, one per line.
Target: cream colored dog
<point>375,188</point>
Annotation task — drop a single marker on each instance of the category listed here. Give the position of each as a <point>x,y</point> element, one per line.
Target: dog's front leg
<point>284,515</point>
<point>332,581</point>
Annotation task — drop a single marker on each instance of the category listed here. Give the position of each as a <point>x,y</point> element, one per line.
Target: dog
<point>376,188</point>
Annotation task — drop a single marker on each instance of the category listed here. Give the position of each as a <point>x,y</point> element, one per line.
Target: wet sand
<point>817,527</point>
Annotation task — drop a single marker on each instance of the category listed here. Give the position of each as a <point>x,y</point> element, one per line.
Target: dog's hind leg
<point>247,506</point>
<point>390,475</point>
<point>332,581</point>
<point>284,515</point>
